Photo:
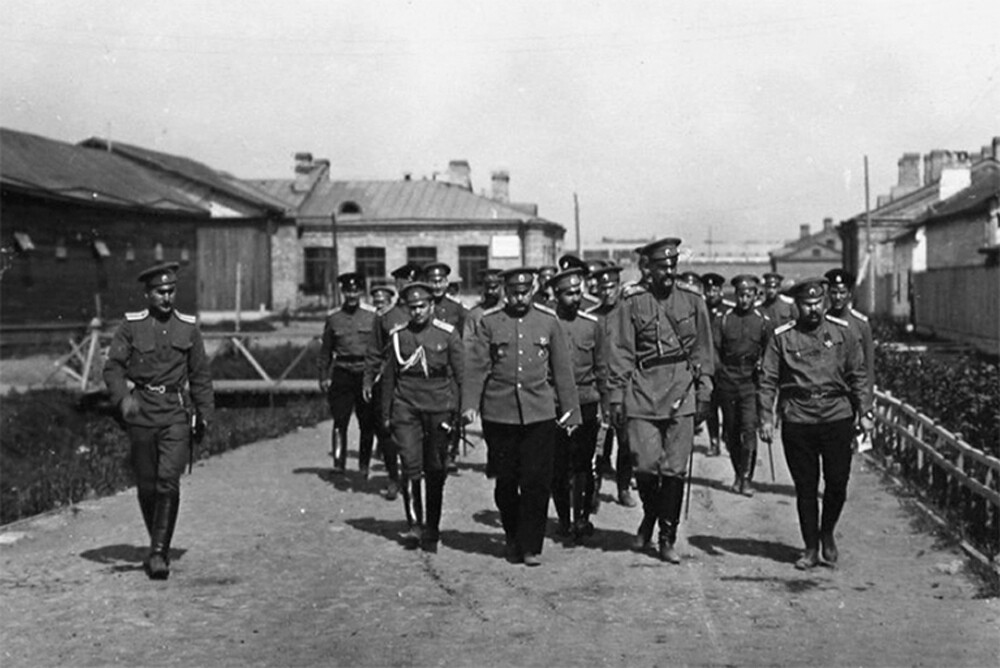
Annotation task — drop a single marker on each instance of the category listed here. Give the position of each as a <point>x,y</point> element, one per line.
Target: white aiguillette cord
<point>418,357</point>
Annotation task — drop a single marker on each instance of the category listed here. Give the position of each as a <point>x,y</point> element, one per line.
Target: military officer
<point>573,262</point>
<point>159,351</point>
<point>492,289</point>
<point>423,368</point>
<point>543,295</point>
<point>717,305</point>
<point>375,357</point>
<point>609,286</point>
<point>573,477</point>
<point>659,379</point>
<point>841,295</point>
<point>691,282</point>
<point>592,288</point>
<point>740,336</point>
<point>341,365</point>
<point>816,368</point>
<point>382,296</point>
<point>779,308</point>
<point>519,376</point>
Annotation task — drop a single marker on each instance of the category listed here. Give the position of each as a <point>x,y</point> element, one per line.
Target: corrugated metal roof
<point>63,170</point>
<point>186,167</point>
<point>406,200</point>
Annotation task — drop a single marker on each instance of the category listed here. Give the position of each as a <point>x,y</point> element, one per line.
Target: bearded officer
<point>778,307</point>
<point>573,479</point>
<point>423,368</point>
<point>519,374</point>
<point>816,368</point>
<point>160,351</point>
<point>341,364</point>
<point>659,379</point>
<point>740,336</point>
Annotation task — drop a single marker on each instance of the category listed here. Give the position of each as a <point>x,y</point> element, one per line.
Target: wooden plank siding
<point>221,246</point>
<point>961,304</point>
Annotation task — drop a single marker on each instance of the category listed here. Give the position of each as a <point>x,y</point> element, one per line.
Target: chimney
<point>460,174</point>
<point>909,170</point>
<point>934,162</point>
<point>803,230</point>
<point>953,180</point>
<point>303,172</point>
<point>501,186</point>
<point>996,148</point>
<point>828,224</point>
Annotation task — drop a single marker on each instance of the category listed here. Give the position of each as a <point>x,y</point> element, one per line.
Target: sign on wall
<point>505,246</point>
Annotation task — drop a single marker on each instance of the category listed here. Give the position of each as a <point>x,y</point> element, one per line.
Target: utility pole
<point>576,218</point>
<point>870,246</point>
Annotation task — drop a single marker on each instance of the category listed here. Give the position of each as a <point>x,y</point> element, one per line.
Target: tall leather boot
<point>339,450</point>
<point>736,453</point>
<point>365,444</point>
<point>647,485</point>
<point>582,526</point>
<point>413,505</point>
<point>671,496</point>
<point>746,471</point>
<point>164,521</point>
<point>435,500</point>
<point>147,504</point>
<point>561,501</point>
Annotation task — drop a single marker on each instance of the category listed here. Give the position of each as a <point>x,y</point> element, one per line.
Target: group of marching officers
<point>552,357</point>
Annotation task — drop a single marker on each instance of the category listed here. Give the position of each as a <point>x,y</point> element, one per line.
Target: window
<point>318,270</point>
<point>158,252</point>
<point>421,255</point>
<point>129,252</point>
<point>472,260</point>
<point>61,252</point>
<point>369,261</point>
<point>349,209</point>
<point>185,254</point>
<point>816,252</point>
<point>23,242</point>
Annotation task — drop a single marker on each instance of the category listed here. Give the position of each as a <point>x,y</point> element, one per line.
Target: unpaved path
<point>279,564</point>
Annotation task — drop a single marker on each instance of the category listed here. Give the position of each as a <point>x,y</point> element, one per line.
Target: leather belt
<point>431,373</point>
<point>660,360</point>
<point>803,393</point>
<point>160,389</point>
<point>349,358</point>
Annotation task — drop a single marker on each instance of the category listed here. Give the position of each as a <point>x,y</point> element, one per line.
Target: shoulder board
<point>633,290</point>
<point>368,307</point>
<point>687,288</point>
<point>137,315</point>
<point>544,309</point>
<point>184,317</point>
<point>398,328</point>
<point>441,324</point>
<point>786,299</point>
<point>587,316</point>
<point>333,311</point>
<point>728,311</point>
<point>454,299</point>
<point>784,328</point>
<point>859,315</point>
<point>587,297</point>
<point>492,310</point>
<point>731,304</point>
<point>836,320</point>
<point>762,314</point>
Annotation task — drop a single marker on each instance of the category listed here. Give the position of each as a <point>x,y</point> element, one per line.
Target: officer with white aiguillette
<point>159,350</point>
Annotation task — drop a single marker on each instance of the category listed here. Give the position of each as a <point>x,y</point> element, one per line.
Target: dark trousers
<point>423,443</point>
<point>344,398</point>
<point>739,426</point>
<point>159,455</point>
<point>387,446</point>
<point>522,459</point>
<point>807,448</point>
<point>712,422</point>
<point>574,456</point>
<point>623,461</point>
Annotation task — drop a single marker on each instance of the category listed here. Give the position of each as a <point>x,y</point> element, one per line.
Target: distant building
<point>374,226</point>
<point>812,254</point>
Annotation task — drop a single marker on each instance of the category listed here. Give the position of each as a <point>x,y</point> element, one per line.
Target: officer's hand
<point>766,432</point>
<point>387,424</point>
<point>701,411</point>
<point>366,394</point>
<point>200,428</point>
<point>469,415</point>
<point>866,423</point>
<point>324,386</point>
<point>570,428</point>
<point>616,415</point>
<point>129,406</point>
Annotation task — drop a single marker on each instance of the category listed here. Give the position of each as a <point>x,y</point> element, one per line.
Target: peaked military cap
<point>840,277</point>
<point>691,277</point>
<point>662,249</point>
<point>567,279</point>
<point>519,276</point>
<point>608,274</point>
<point>416,291</point>
<point>164,273</point>
<point>809,289</point>
<point>745,281</point>
<point>490,276</point>
<point>382,287</point>
<point>713,280</point>
<point>547,271</point>
<point>407,272</point>
<point>773,280</point>
<point>439,269</point>
<point>351,281</point>
<point>569,261</point>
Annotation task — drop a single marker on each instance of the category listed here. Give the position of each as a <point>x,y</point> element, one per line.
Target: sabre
<point>770,458</point>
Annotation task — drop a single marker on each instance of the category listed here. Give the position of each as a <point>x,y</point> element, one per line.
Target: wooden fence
<point>954,475</point>
<point>265,382</point>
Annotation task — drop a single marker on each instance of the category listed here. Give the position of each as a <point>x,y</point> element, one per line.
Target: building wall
<point>956,243</point>
<point>286,267</point>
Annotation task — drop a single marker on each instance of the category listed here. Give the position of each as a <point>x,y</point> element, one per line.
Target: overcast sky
<point>748,118</point>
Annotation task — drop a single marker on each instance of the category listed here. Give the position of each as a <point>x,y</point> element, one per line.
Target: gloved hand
<point>616,415</point>
<point>129,406</point>
<point>766,432</point>
<point>199,428</point>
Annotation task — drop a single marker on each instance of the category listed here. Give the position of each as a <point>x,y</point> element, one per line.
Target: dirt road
<point>276,562</point>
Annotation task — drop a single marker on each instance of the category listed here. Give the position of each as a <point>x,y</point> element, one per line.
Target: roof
<point>978,196</point>
<point>189,169</point>
<point>59,170</point>
<point>815,240</point>
<point>407,200</point>
<point>281,190</point>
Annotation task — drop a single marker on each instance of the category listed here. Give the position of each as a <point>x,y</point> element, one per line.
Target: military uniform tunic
<point>450,310</point>
<point>858,322</point>
<point>779,311</point>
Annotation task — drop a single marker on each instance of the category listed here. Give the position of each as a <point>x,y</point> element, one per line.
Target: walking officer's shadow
<point>718,546</point>
<point>125,558</point>
<point>472,542</point>
<point>347,481</point>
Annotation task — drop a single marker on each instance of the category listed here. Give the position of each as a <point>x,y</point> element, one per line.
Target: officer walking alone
<point>816,368</point>
<point>160,350</point>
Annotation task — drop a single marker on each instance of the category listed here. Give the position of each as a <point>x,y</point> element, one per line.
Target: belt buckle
<point>158,389</point>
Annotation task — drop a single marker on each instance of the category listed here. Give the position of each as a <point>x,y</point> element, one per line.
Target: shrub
<point>230,363</point>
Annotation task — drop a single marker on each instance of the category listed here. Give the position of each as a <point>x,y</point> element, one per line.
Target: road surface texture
<point>278,563</point>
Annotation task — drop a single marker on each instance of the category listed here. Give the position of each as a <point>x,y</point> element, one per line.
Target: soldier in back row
<point>492,292</point>
<point>841,292</point>
<point>717,306</point>
<point>778,307</point>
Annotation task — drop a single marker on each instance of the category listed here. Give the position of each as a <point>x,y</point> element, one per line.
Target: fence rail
<point>264,383</point>
<point>955,475</point>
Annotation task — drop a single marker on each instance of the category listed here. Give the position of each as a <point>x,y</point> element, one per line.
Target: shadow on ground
<point>759,487</point>
<point>717,546</point>
<point>122,557</point>
<point>346,481</point>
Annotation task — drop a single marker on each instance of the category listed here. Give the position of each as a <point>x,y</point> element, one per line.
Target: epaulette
<point>398,328</point>
<point>687,288</point>
<point>587,297</point>
<point>730,304</point>
<point>587,316</point>
<point>332,311</point>
<point>492,310</point>
<point>441,324</point>
<point>859,315</point>
<point>633,290</point>
<point>184,317</point>
<point>837,321</point>
<point>762,314</point>
<point>454,299</point>
<point>786,299</point>
<point>728,311</point>
<point>368,307</point>
<point>784,328</point>
<point>137,315</point>
<point>545,309</point>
